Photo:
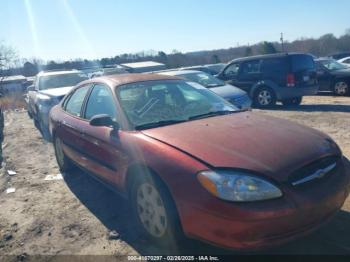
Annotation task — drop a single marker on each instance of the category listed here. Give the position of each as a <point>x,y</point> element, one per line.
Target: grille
<point>310,169</point>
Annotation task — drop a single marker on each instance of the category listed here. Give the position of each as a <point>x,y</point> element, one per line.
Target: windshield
<point>155,103</point>
<point>61,80</point>
<point>332,65</point>
<point>204,79</point>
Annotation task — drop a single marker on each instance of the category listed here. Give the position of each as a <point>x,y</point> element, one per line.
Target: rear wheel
<point>264,97</point>
<point>292,101</point>
<point>154,210</point>
<point>63,162</point>
<point>341,88</point>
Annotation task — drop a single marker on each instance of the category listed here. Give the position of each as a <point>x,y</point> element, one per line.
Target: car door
<point>324,77</point>
<point>72,125</point>
<point>249,73</point>
<point>230,74</point>
<point>101,144</point>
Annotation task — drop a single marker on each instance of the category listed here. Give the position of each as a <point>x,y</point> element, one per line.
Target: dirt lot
<point>75,215</point>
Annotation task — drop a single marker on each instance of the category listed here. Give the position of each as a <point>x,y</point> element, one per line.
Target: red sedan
<point>191,162</point>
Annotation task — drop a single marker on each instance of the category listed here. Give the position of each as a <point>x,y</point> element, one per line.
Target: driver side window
<point>232,70</point>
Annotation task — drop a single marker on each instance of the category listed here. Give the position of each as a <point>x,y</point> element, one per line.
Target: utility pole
<point>282,42</point>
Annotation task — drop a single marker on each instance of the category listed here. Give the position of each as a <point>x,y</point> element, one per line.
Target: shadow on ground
<point>114,212</point>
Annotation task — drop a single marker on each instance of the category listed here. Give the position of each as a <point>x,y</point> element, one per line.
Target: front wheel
<point>341,88</point>
<point>264,97</point>
<point>63,162</point>
<point>292,101</point>
<point>154,210</point>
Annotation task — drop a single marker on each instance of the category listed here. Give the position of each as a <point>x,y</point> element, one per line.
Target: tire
<point>44,130</point>
<point>264,97</point>
<point>154,210</point>
<point>341,88</point>
<point>292,101</point>
<point>63,161</point>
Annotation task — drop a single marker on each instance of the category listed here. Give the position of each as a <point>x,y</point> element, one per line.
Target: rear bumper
<point>260,225</point>
<point>291,92</point>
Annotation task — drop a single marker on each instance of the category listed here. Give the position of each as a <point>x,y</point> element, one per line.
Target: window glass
<point>302,62</point>
<point>204,79</point>
<point>154,101</point>
<point>232,70</point>
<point>76,100</point>
<point>251,67</point>
<point>60,80</point>
<point>100,102</point>
<point>274,66</point>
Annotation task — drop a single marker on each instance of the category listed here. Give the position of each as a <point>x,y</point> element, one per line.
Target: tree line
<point>322,46</point>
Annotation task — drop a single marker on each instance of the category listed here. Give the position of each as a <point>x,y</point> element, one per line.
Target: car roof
<point>323,59</point>
<point>277,55</point>
<point>123,79</point>
<point>51,73</point>
<point>180,72</point>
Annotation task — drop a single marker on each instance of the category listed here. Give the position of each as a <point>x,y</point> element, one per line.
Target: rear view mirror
<point>103,120</point>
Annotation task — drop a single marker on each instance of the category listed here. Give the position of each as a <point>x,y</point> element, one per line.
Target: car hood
<point>228,91</point>
<point>57,92</point>
<point>250,141</point>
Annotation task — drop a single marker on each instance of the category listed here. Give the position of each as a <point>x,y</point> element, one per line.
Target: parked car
<point>345,61</point>
<point>234,95</point>
<point>111,70</point>
<point>333,76</point>
<point>212,69</point>
<point>340,55</point>
<point>285,77</point>
<point>189,162</point>
<point>48,89</point>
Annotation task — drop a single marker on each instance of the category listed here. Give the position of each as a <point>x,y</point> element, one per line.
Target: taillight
<point>290,80</point>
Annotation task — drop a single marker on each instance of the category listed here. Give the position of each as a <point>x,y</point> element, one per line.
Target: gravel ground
<point>75,216</point>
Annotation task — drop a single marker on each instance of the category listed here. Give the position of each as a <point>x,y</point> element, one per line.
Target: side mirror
<point>103,120</point>
<point>31,88</point>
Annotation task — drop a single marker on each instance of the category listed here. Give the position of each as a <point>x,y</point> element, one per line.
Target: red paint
<point>268,147</point>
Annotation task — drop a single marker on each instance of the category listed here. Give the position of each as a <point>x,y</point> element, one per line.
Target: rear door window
<point>302,63</point>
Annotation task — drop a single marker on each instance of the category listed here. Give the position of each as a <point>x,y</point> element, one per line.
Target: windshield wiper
<point>160,123</point>
<point>214,85</point>
<point>215,113</point>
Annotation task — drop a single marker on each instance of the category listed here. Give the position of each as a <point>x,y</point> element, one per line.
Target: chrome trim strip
<point>317,175</point>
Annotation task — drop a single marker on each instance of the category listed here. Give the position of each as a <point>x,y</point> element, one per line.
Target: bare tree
<point>7,57</point>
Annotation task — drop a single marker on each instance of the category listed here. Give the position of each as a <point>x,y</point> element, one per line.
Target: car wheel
<point>292,101</point>
<point>264,97</point>
<point>341,88</point>
<point>63,162</point>
<point>154,210</point>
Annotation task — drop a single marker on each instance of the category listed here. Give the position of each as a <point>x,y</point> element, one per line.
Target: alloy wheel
<point>341,88</point>
<point>264,97</point>
<point>151,210</point>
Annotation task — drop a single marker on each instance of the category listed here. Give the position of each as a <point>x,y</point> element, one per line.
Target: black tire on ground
<point>341,88</point>
<point>292,101</point>
<point>154,211</point>
<point>264,97</point>
<point>63,161</point>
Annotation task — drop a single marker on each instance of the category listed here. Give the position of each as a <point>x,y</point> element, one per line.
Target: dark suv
<point>285,77</point>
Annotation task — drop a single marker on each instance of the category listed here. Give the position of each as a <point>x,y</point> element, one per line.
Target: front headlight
<point>237,186</point>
